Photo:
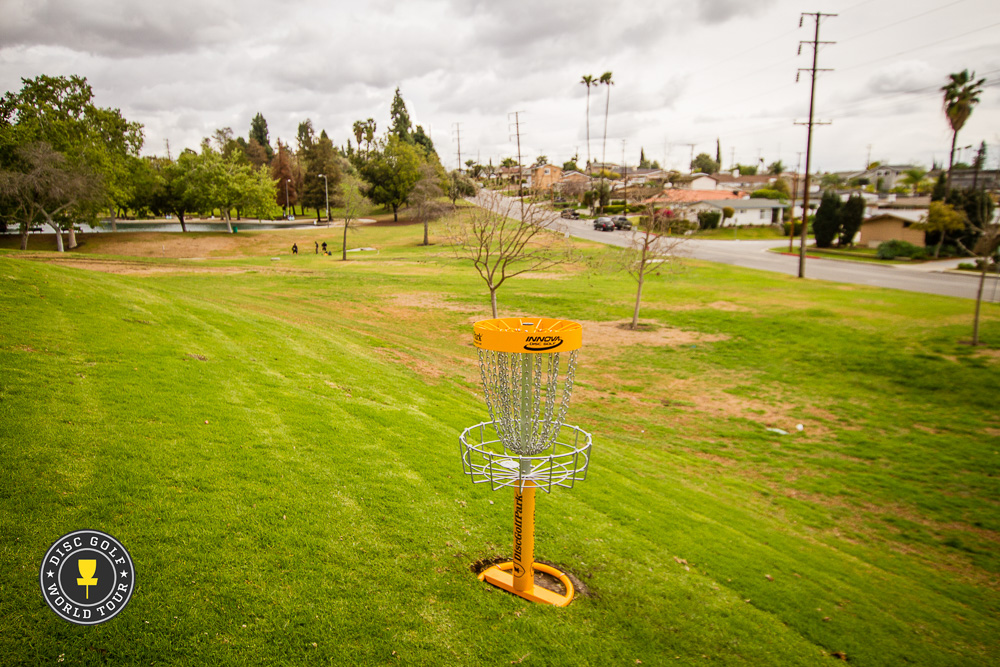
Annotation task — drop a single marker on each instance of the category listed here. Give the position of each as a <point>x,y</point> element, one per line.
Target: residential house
<point>897,225</point>
<point>697,181</point>
<point>749,182</point>
<point>987,179</point>
<point>747,212</point>
<point>542,177</point>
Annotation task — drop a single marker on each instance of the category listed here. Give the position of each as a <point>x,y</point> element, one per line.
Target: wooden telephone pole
<point>818,16</point>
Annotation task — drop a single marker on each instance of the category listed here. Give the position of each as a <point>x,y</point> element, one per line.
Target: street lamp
<point>326,188</point>
<point>287,181</point>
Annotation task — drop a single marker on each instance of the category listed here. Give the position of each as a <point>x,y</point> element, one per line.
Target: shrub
<point>786,225</point>
<point>709,219</point>
<point>895,249</point>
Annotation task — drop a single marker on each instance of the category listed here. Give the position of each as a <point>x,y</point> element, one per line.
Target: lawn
<point>275,441</point>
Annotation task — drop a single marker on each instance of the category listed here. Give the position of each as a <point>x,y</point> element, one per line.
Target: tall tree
<point>589,81</point>
<point>321,158</point>
<point>777,168</point>
<point>852,214</point>
<point>960,95</point>
<point>283,174</point>
<point>826,223</point>
<point>258,133</point>
<point>391,174</point>
<point>400,125</point>
<point>421,139</point>
<point>606,80</point>
<point>60,112</point>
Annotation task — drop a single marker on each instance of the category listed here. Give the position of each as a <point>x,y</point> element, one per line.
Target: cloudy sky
<point>685,72</point>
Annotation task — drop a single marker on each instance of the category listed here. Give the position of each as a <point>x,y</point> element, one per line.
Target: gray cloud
<point>720,11</point>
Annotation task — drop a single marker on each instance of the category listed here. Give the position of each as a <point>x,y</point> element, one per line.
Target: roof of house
<point>745,204</point>
<point>908,203</point>
<point>761,179</point>
<point>907,217</point>
<point>681,196</point>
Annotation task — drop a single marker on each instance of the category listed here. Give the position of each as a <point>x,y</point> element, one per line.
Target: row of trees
<point>62,158</point>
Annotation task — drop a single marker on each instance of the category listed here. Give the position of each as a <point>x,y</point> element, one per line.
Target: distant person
<point>317,247</point>
<point>295,248</point>
<point>324,247</point>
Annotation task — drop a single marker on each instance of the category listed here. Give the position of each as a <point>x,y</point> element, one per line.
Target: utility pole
<point>625,176</point>
<point>818,16</point>
<point>795,189</point>
<point>458,138</point>
<point>868,161</point>
<point>691,164</point>
<point>732,158</point>
<point>520,173</point>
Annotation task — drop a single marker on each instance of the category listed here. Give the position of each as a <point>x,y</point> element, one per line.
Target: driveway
<point>927,278</point>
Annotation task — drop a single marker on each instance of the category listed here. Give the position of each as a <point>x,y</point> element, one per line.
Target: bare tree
<point>502,244</point>
<point>985,250</point>
<point>424,198</point>
<point>355,205</point>
<point>652,250</point>
<point>49,188</point>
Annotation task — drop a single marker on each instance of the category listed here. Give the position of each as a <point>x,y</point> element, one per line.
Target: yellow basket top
<point>527,334</point>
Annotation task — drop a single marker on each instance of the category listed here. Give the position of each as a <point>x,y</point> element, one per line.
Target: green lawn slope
<point>276,444</point>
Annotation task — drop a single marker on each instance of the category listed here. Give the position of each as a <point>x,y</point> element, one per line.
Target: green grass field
<point>276,444</point>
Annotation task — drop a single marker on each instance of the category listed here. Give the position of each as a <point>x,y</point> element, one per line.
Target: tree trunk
<point>493,301</point>
<point>951,159</point>
<point>72,237</point>
<point>426,241</point>
<point>395,212</point>
<point>638,298</point>
<point>114,220</point>
<point>180,216</point>
<point>937,248</point>
<point>59,238</point>
<point>344,253</point>
<point>979,301</point>
<point>229,221</point>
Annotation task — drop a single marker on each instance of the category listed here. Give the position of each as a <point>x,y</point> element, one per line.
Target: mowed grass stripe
<point>368,481</point>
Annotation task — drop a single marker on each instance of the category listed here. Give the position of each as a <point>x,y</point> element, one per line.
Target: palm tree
<point>960,95</point>
<point>606,80</point>
<point>914,177</point>
<point>588,81</point>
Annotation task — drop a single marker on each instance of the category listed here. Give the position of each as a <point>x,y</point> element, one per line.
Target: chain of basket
<point>502,388</point>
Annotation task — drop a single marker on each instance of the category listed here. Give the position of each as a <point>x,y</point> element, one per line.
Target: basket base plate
<point>500,576</point>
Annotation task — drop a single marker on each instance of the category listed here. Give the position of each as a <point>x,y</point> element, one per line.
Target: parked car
<point>604,225</point>
<point>570,213</point>
<point>621,222</point>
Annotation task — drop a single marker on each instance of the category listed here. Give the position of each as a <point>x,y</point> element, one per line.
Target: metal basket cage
<point>487,460</point>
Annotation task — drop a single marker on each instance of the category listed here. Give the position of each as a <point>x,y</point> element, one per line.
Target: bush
<point>786,225</point>
<point>709,219</point>
<point>895,249</point>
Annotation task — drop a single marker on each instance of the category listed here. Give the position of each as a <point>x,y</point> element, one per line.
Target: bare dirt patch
<point>611,335</point>
<point>425,300</point>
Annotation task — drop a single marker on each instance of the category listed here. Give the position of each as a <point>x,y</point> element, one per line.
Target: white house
<point>748,212</point>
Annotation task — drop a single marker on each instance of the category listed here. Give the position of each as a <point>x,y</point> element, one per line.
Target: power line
<point>868,63</point>
<point>895,23</point>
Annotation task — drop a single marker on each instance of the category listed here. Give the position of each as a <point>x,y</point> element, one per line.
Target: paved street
<point>927,277</point>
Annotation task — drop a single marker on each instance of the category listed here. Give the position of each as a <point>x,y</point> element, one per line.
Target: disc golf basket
<point>527,367</point>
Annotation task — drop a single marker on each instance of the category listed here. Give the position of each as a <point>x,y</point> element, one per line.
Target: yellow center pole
<point>524,539</point>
